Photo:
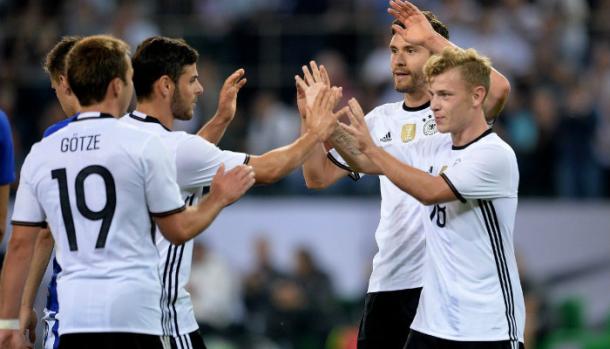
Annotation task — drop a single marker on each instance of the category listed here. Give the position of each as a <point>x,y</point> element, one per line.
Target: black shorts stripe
<point>353,175</point>
<point>493,230</point>
<point>176,284</point>
<point>30,224</point>
<point>453,188</point>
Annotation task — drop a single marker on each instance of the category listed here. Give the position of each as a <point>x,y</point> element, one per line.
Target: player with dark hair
<point>472,296</point>
<point>100,184</point>
<point>396,280</point>
<point>167,87</point>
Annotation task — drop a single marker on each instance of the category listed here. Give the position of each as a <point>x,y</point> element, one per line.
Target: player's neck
<point>106,106</point>
<point>469,133</point>
<point>159,111</point>
<point>416,99</point>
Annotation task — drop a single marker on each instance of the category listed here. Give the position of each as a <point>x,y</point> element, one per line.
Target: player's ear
<point>478,95</point>
<point>164,86</point>
<point>63,84</point>
<point>116,86</point>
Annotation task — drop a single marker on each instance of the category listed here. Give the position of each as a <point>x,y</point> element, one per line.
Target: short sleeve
<point>197,161</point>
<point>7,159</point>
<point>486,173</point>
<point>27,210</point>
<point>162,193</point>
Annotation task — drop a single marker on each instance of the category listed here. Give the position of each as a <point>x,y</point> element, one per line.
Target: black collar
<point>146,118</point>
<point>421,107</point>
<point>91,115</point>
<point>487,132</point>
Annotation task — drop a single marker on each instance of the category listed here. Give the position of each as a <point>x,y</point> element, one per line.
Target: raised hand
<point>231,185</point>
<point>358,127</point>
<point>322,120</point>
<point>227,100</point>
<point>417,29</point>
<point>308,87</point>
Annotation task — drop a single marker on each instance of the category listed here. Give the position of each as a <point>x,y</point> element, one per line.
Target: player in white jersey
<point>54,65</point>
<point>396,279</point>
<point>167,87</point>
<point>100,184</point>
<point>472,296</point>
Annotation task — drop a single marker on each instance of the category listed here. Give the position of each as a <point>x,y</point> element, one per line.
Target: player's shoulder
<point>58,126</point>
<point>4,124</point>
<point>384,110</point>
<point>495,142</point>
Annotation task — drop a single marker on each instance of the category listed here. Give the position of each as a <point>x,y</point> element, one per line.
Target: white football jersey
<point>399,261</point>
<point>471,288</point>
<point>197,161</point>
<point>97,182</point>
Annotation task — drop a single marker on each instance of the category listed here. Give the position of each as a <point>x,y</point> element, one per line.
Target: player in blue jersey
<point>7,168</point>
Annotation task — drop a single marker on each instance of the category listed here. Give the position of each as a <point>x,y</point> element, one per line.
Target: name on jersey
<point>80,143</point>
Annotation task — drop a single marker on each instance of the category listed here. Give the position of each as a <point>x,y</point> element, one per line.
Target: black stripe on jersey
<point>164,295</point>
<point>176,276</point>
<point>167,213</point>
<point>453,188</point>
<point>493,230</point>
<point>30,224</point>
<point>247,159</point>
<point>167,281</point>
<point>149,118</point>
<point>418,108</point>
<point>353,175</point>
<point>460,147</point>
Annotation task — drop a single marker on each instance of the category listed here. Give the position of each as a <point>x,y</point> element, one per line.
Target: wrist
<point>436,43</point>
<point>9,324</point>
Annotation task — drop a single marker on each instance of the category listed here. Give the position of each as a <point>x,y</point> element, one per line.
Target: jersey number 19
<point>105,214</point>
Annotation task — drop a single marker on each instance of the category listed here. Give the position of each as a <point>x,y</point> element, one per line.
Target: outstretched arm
<point>14,273</point>
<point>215,128</point>
<point>40,261</point>
<point>320,122</point>
<point>418,31</point>
<point>422,186</point>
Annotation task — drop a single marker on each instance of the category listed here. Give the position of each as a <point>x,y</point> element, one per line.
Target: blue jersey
<point>51,338</point>
<point>7,158</point>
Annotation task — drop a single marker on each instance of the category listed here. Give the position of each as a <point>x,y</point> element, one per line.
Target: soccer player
<point>7,168</point>
<point>102,185</point>
<point>167,88</point>
<point>472,296</point>
<point>396,279</point>
<point>54,65</point>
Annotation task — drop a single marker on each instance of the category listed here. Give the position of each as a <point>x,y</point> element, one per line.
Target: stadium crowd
<point>554,52</point>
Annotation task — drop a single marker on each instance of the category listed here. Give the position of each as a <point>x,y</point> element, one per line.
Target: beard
<point>181,109</point>
<point>417,82</point>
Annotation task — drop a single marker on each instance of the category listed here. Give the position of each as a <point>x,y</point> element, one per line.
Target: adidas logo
<point>386,138</point>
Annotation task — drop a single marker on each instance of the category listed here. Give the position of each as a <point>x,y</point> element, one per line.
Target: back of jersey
<point>97,182</point>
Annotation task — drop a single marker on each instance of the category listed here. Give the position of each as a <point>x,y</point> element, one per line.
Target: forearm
<point>419,184</point>
<point>14,273</point>
<point>40,261</point>
<point>275,164</point>
<point>180,227</point>
<point>499,87</point>
<point>344,143</point>
<point>214,129</point>
<point>4,191</point>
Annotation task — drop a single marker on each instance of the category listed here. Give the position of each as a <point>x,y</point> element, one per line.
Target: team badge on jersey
<point>408,133</point>
<point>429,126</point>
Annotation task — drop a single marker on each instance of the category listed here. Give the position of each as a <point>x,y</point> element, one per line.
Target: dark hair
<point>93,63</point>
<point>437,25</point>
<point>55,61</point>
<point>158,56</point>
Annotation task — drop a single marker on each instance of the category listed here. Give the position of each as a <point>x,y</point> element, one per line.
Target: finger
<point>233,78</point>
<point>349,129</point>
<point>342,111</point>
<point>352,119</point>
<point>315,71</point>
<point>398,29</point>
<point>307,75</point>
<point>301,84</point>
<point>324,75</point>
<point>241,83</point>
<point>355,107</point>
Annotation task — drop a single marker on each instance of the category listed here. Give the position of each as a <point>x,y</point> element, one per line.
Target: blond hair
<point>475,69</point>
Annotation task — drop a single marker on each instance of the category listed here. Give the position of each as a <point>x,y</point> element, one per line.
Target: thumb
<point>221,170</point>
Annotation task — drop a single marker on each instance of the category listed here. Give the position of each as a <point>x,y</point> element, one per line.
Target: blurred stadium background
<point>287,267</point>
